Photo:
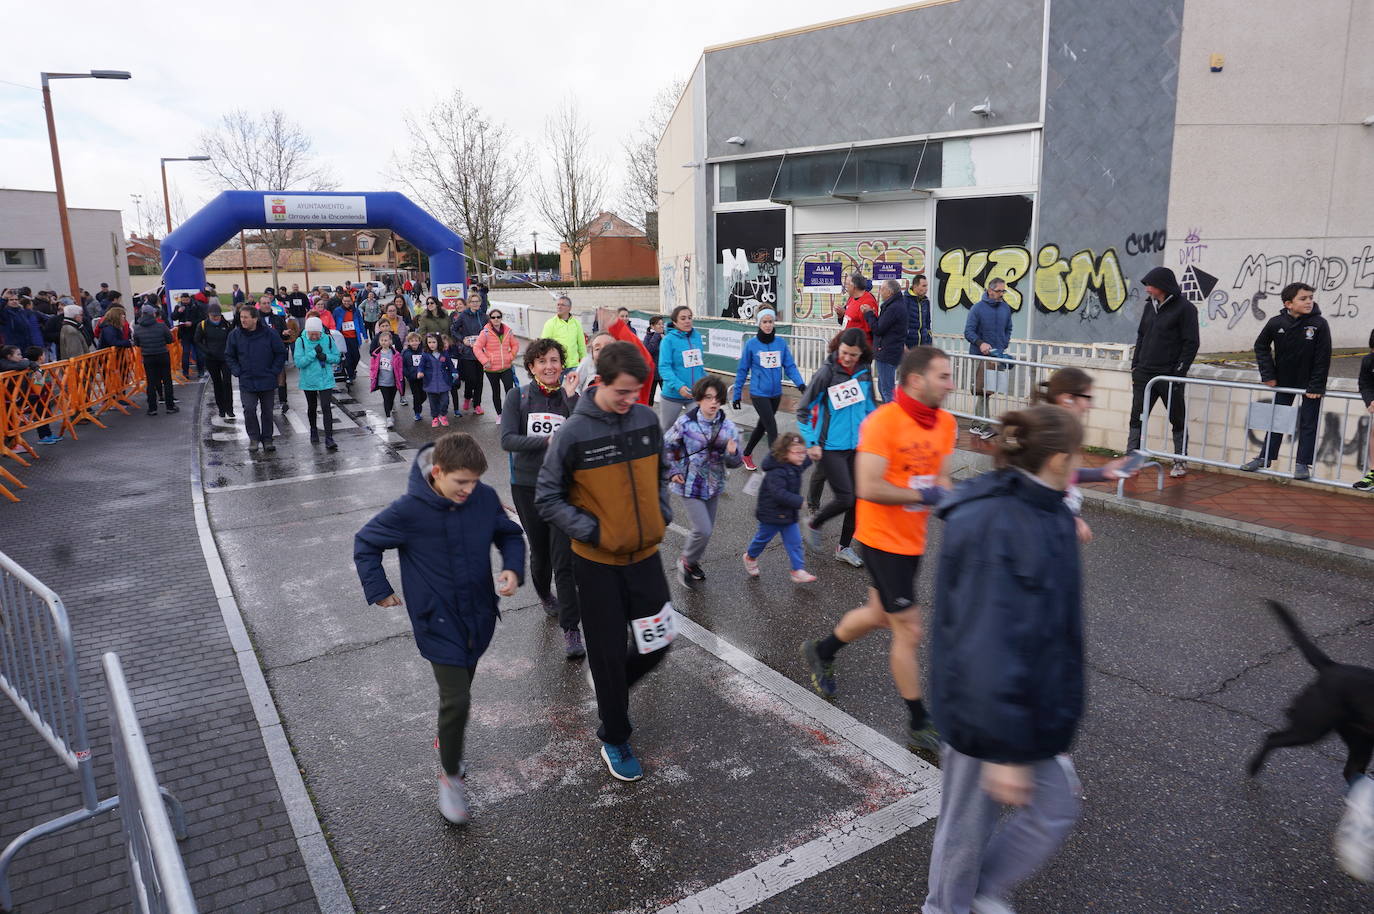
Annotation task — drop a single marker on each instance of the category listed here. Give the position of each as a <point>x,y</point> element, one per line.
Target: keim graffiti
<point>1062,284</point>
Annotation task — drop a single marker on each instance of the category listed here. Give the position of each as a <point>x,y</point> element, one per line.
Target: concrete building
<point>617,250</point>
<point>31,252</point>
<point>1066,146</point>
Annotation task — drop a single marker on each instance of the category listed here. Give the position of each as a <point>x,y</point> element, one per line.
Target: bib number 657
<point>654,633</point>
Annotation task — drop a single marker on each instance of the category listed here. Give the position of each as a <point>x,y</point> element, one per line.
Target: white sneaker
<point>453,800</point>
<point>986,904</point>
<point>1179,470</point>
<point>1355,833</point>
<point>847,554</point>
<point>988,433</point>
<point>390,422</point>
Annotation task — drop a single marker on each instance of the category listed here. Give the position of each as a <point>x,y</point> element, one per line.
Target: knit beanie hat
<point>72,311</point>
<point>314,325</point>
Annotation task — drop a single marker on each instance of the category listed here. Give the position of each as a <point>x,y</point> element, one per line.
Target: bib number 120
<point>654,633</point>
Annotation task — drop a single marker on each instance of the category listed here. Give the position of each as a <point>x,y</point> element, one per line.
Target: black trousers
<point>324,400</point>
<point>219,378</point>
<point>388,399</point>
<point>1174,395</point>
<point>257,413</point>
<point>767,408</point>
<point>550,558</point>
<point>470,376</point>
<point>501,383</point>
<point>417,395</point>
<point>839,471</point>
<point>1309,412</point>
<point>612,595</point>
<point>351,355</point>
<point>455,698</point>
<point>157,368</point>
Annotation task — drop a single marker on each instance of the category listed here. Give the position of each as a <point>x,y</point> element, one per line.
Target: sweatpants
<point>767,408</point>
<point>971,855</point>
<point>550,558</point>
<point>701,518</point>
<point>157,368</point>
<point>1174,397</point>
<point>257,413</point>
<point>668,411</point>
<point>610,596</point>
<point>438,404</point>
<point>455,698</point>
<point>417,395</point>
<point>791,539</point>
<point>1309,411</point>
<point>501,383</point>
<point>219,377</point>
<point>839,471</point>
<point>323,399</point>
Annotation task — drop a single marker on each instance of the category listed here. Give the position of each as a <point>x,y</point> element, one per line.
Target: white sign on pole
<point>315,209</point>
<point>450,294</point>
<point>728,343</point>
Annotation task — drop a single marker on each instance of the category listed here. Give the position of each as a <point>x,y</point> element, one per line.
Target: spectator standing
<point>100,296</point>
<point>567,330</point>
<point>916,294</point>
<point>236,296</point>
<point>212,336</point>
<point>151,336</point>
<point>888,325</point>
<point>72,340</point>
<point>256,356</point>
<point>19,325</point>
<point>114,329</point>
<point>187,315</point>
<point>1166,343</point>
<point>97,306</point>
<point>1294,350</point>
<point>859,300</point>
<point>653,337</point>
<point>988,331</point>
<point>1366,385</point>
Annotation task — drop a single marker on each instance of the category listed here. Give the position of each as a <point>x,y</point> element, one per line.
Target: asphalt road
<point>1187,672</point>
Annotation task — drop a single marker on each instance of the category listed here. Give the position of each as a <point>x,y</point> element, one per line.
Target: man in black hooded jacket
<point>1294,350</point>
<point>1165,344</point>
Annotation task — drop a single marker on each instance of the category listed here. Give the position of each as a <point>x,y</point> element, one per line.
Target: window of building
<point>847,173</point>
<point>749,179</point>
<point>22,259</point>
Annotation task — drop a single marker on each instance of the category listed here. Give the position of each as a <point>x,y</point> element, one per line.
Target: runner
<point>697,449</point>
<point>765,360</point>
<point>531,417</point>
<point>1006,676</point>
<point>900,474</point>
<point>372,310</point>
<point>567,330</point>
<point>779,502</point>
<point>835,404</point>
<point>602,484</point>
<point>316,355</point>
<point>411,357</point>
<point>387,373</point>
<point>681,364</point>
<point>466,326</point>
<point>496,349</point>
<point>436,373</point>
<point>585,372</point>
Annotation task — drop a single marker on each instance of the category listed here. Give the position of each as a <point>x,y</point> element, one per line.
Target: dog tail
<point>1310,651</point>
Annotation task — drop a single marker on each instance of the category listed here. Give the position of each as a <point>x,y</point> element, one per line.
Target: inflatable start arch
<point>184,250</point>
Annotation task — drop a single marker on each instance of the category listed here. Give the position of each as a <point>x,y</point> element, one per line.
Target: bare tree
<point>467,170</point>
<point>150,220</point>
<point>640,193</point>
<point>570,196</point>
<point>265,152</point>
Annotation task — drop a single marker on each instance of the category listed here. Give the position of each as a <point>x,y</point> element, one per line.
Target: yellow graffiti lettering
<point>960,271</point>
<point>1009,264</point>
<point>1062,284</point>
<point>1051,292</point>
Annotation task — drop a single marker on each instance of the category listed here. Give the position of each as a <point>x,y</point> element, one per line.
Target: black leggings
<point>470,374</point>
<point>767,408</point>
<point>388,399</point>
<point>324,399</point>
<point>839,472</point>
<point>501,383</point>
<point>417,395</point>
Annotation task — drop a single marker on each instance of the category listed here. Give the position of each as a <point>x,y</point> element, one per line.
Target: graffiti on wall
<point>1145,242</point>
<point>1062,284</point>
<point>858,253</point>
<point>749,246</point>
<point>675,282</point>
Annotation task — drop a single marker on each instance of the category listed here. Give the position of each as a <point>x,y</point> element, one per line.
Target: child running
<point>444,528</point>
<point>437,373</point>
<point>410,361</point>
<point>387,373</point>
<point>697,448</point>
<point>779,504</point>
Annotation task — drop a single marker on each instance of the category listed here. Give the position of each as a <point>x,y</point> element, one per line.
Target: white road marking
<point>352,471</point>
<point>296,421</point>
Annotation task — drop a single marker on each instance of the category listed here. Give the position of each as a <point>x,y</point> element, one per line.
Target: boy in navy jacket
<point>444,528</point>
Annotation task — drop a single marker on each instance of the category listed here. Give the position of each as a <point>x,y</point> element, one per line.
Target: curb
<point>325,878</point>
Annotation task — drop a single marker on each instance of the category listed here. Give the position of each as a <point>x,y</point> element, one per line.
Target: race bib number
<point>691,358</point>
<point>384,363</point>
<point>919,482</point>
<point>654,633</point>
<point>846,394</point>
<point>347,326</point>
<point>544,424</point>
<point>770,358</point>
<point>469,341</point>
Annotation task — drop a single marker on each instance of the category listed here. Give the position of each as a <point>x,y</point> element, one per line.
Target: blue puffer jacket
<point>314,374</point>
<point>780,495</point>
<point>438,371</point>
<point>675,375</point>
<point>695,450</point>
<point>765,382</point>
<point>1006,676</point>
<point>410,361</point>
<point>256,358</point>
<point>445,552</point>
<point>466,323</point>
<point>20,327</point>
<point>988,322</point>
<point>819,423</point>
<point>918,320</point>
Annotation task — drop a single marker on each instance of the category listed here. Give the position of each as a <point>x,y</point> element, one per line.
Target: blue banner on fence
<point>822,278</point>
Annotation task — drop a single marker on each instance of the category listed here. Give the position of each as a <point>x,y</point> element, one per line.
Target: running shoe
<point>693,570</point>
<point>1365,482</point>
<point>403,400</point>
<point>925,742</point>
<point>988,433</point>
<point>986,904</point>
<point>173,408</point>
<point>49,439</point>
<point>314,436</point>
<point>467,405</point>
<point>434,423</point>
<point>802,576</point>
<point>849,556</point>
<point>1301,471</point>
<point>751,566</point>
<point>453,800</point>
<point>329,444</point>
<point>573,648</point>
<point>390,422</point>
<point>1251,466</point>
<point>749,463</point>
<point>1179,470</point>
<point>976,430</point>
<point>822,672</point>
<point>621,762</point>
<point>812,535</point>
<point>550,606</point>
<point>269,447</point>
<point>477,409</point>
<point>443,420</point>
<point>419,418</point>
<point>1355,834</point>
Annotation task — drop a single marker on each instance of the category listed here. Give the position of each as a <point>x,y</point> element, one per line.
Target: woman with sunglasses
<point>496,349</point>
<point>433,320</point>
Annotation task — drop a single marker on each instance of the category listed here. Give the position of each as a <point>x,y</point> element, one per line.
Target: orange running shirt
<point>914,456</point>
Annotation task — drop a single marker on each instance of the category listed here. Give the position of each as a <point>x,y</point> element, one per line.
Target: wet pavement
<point>745,772</point>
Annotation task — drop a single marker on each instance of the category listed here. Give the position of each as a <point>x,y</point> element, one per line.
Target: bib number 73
<point>654,633</point>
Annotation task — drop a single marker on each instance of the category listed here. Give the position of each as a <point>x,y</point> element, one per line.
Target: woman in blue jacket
<point>681,364</point>
<point>1006,675</point>
<point>766,359</point>
<point>837,401</point>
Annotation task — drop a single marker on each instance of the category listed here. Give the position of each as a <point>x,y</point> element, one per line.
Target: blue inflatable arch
<point>184,250</point>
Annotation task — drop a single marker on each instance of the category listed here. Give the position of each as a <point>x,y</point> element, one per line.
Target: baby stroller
<point>340,374</point>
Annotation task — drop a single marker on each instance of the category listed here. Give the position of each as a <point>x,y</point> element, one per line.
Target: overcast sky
<point>345,70</point>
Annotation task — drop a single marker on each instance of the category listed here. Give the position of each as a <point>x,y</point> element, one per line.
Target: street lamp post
<point>536,257</point>
<point>167,200</point>
<point>72,279</point>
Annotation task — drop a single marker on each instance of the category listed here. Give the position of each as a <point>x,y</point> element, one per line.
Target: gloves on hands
<point>319,352</point>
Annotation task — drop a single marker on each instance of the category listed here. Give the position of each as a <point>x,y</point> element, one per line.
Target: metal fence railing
<point>157,876</point>
<point>1228,423</point>
<point>38,674</point>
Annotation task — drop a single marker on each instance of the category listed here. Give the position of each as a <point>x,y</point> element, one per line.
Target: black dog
<point>1341,699</point>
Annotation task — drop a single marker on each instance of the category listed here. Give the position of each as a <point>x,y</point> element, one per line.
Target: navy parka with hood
<point>1006,677</point>
<point>445,553</point>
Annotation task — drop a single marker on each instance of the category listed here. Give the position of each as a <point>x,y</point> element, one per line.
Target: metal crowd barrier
<point>1006,384</point>
<point>38,674</point>
<point>1228,423</point>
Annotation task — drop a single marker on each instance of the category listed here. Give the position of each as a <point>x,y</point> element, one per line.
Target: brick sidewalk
<point>107,523</point>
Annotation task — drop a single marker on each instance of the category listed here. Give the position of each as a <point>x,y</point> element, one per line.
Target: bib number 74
<point>654,633</point>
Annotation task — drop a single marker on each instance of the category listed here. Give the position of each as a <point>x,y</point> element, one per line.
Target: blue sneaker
<point>50,439</point>
<point>621,761</point>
